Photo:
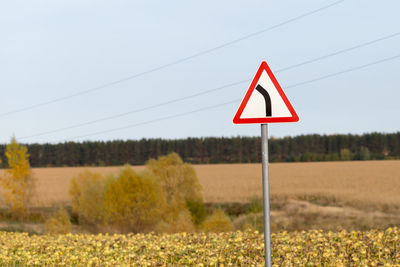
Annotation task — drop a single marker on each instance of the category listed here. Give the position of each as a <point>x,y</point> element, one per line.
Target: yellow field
<point>305,248</point>
<point>364,181</point>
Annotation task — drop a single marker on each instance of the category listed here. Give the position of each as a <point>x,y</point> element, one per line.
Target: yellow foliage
<point>299,248</point>
<point>139,202</point>
<point>178,181</point>
<point>59,223</point>
<point>183,223</point>
<point>217,222</point>
<point>17,182</point>
<point>86,192</point>
<point>132,201</point>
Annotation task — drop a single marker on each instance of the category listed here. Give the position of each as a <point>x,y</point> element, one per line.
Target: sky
<point>106,70</point>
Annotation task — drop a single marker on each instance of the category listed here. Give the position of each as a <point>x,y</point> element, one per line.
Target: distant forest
<point>373,146</point>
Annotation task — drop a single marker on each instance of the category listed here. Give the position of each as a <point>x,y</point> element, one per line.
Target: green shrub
<point>197,211</point>
<point>365,154</point>
<point>217,222</point>
<point>233,209</point>
<point>59,223</point>
<point>255,206</point>
<point>132,202</point>
<point>345,154</point>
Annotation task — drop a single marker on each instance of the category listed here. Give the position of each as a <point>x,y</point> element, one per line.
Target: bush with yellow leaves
<point>59,223</point>
<point>217,222</point>
<point>166,198</point>
<point>183,223</point>
<point>180,186</point>
<point>132,202</point>
<point>86,192</point>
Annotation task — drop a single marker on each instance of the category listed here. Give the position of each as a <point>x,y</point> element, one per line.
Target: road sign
<point>265,101</point>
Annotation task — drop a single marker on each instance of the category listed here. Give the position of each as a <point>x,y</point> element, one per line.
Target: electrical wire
<point>213,89</point>
<point>237,100</point>
<point>136,110</point>
<point>159,119</point>
<point>344,71</point>
<point>172,63</point>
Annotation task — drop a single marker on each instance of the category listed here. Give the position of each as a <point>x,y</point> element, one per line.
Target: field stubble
<point>358,194</point>
<point>357,181</point>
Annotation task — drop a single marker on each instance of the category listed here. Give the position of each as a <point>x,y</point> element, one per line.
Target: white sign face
<point>256,106</point>
<point>265,101</point>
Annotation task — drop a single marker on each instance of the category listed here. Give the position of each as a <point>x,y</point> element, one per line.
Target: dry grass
<point>325,195</point>
<point>358,182</point>
<point>361,181</point>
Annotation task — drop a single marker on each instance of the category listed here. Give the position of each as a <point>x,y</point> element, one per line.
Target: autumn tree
<point>86,192</point>
<point>17,182</point>
<point>178,179</point>
<point>132,201</point>
<point>180,186</point>
<point>129,202</point>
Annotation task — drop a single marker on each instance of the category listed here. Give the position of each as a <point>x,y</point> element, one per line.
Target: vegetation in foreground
<point>311,248</point>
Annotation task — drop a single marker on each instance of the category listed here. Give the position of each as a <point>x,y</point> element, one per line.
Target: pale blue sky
<point>51,49</point>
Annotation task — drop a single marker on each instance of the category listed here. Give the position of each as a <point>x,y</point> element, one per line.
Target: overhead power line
<point>172,63</point>
<point>344,71</point>
<point>341,51</point>
<point>213,89</point>
<point>136,110</point>
<point>237,100</point>
<point>159,119</point>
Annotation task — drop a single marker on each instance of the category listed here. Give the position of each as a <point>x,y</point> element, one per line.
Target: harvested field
<point>319,195</point>
<point>362,181</point>
<point>356,181</point>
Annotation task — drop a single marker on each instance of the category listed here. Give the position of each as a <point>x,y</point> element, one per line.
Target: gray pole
<point>265,180</point>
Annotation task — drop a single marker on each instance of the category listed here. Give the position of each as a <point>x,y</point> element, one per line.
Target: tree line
<point>371,146</point>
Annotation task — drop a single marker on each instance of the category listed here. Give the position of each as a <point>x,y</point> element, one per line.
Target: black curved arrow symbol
<point>267,99</point>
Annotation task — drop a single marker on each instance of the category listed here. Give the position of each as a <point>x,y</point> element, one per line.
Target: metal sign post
<point>265,102</point>
<point>265,181</point>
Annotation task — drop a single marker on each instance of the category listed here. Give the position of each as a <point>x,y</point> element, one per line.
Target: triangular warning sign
<point>265,101</point>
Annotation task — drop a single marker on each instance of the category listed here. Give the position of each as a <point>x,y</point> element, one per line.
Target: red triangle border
<point>238,120</point>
